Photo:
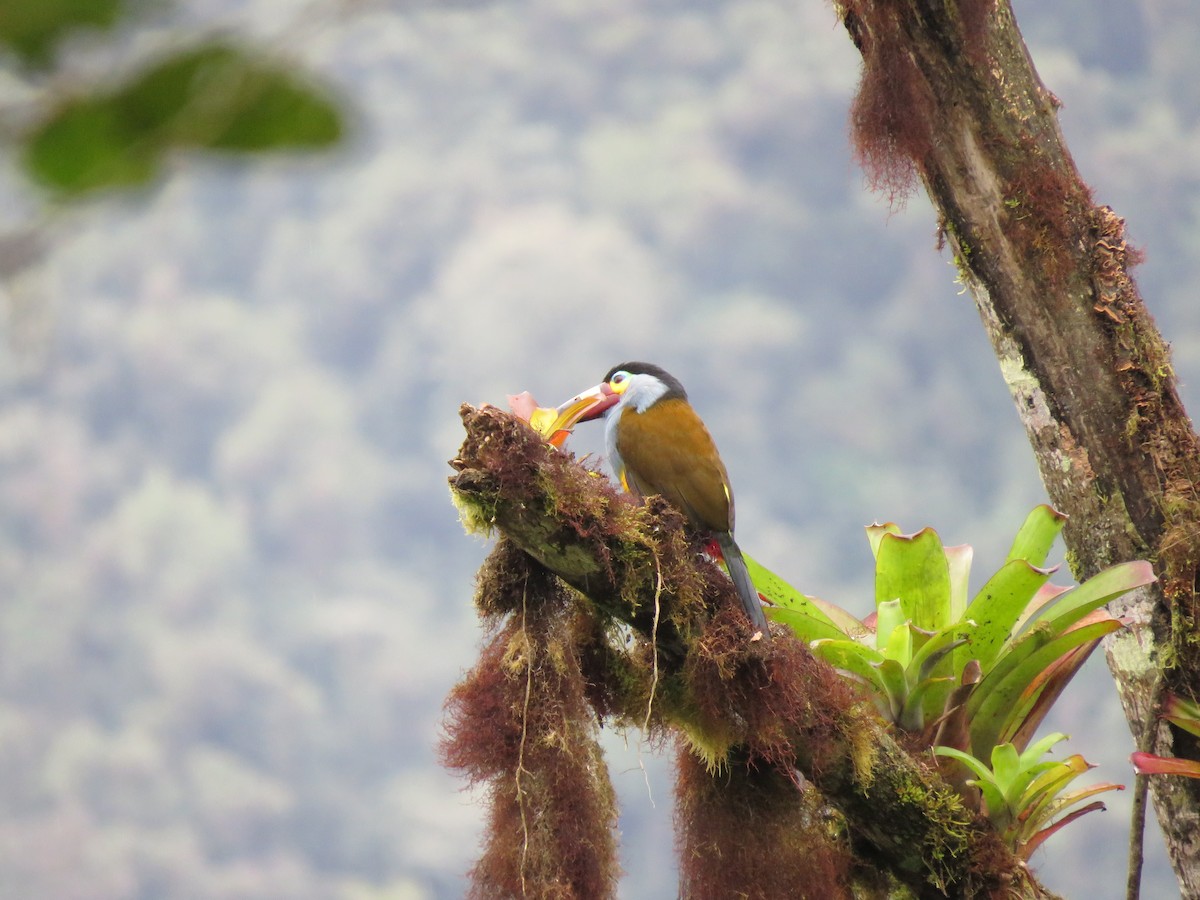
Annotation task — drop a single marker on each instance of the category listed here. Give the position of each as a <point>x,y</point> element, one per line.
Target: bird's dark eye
<point>619,378</point>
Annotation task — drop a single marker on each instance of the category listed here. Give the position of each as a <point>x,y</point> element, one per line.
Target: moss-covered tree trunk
<point>949,96</point>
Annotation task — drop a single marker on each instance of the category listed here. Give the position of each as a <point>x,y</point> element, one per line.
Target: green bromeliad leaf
<point>1097,591</point>
<point>875,533</point>
<point>931,658</point>
<point>936,676</point>
<point>1037,535</point>
<point>1023,793</point>
<point>996,702</point>
<point>925,702</point>
<point>899,644</point>
<point>807,628</point>
<point>889,616</point>
<point>913,569</point>
<point>809,618</point>
<point>998,606</point>
<point>958,559</point>
<point>891,673</point>
<point>859,661</point>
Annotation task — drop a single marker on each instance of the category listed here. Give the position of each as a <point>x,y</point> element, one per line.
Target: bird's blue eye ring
<point>619,377</point>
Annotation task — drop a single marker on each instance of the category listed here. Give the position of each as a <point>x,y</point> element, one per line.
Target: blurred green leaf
<point>889,615</point>
<point>221,97</point>
<point>31,28</point>
<point>958,560</point>
<point>85,147</point>
<point>215,97</point>
<point>877,530</point>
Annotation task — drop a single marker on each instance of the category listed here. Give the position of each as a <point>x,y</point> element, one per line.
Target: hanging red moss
<point>767,701</point>
<point>890,119</point>
<point>520,725</point>
<point>755,833</point>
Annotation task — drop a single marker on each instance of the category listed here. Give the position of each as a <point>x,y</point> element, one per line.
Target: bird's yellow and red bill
<point>555,424</point>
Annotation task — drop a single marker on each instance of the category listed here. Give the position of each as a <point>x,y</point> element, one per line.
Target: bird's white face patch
<point>642,392</point>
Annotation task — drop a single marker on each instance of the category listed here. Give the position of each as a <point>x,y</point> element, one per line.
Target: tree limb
<point>775,701</point>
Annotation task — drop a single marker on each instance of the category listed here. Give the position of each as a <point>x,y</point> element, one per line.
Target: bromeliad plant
<point>979,675</point>
<point>1024,793</point>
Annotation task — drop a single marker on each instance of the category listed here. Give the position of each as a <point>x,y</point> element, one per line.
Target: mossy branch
<point>762,704</point>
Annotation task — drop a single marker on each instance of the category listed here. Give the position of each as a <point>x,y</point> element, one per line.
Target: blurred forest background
<point>235,590</point>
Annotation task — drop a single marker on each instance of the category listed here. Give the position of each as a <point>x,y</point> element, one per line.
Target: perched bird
<point>657,444</point>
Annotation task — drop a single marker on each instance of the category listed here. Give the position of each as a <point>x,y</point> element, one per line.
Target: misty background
<point>235,590</point>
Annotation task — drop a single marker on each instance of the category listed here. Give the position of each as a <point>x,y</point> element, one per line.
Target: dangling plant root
<point>521,750</point>
<point>658,584</point>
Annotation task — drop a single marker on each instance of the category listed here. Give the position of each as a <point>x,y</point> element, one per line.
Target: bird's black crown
<point>674,388</point>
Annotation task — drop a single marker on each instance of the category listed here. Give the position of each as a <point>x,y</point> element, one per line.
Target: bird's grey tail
<point>741,580</point>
